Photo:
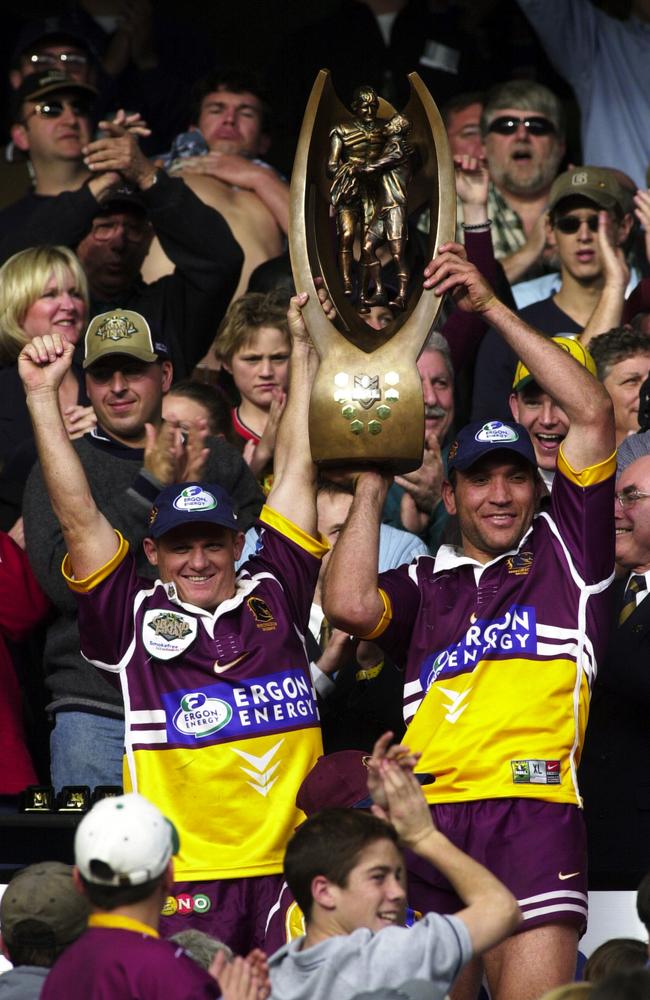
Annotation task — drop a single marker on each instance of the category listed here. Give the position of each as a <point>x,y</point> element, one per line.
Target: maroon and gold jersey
<point>221,717</point>
<point>502,656</point>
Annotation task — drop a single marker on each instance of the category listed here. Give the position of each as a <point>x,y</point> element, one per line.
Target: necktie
<point>635,584</point>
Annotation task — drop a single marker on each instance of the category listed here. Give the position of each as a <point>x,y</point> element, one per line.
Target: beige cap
<point>121,331</point>
<point>598,184</point>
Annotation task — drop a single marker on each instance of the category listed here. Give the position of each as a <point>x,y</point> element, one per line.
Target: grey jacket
<point>434,949</point>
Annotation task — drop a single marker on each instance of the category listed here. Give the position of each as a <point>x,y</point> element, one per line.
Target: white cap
<point>124,840</point>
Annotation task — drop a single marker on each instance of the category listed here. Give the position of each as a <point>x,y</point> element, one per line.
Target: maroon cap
<point>339,779</point>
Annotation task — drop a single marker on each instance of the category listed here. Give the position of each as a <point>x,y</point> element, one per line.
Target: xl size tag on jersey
<point>167,634</point>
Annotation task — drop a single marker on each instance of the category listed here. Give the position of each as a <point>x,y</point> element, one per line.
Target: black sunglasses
<point>54,109</point>
<point>507,125</point>
<point>571,224</point>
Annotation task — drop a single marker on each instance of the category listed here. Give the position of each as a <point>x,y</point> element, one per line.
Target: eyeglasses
<point>629,497</point>
<point>43,60</point>
<point>535,125</point>
<point>134,232</point>
<point>571,224</point>
<point>54,109</point>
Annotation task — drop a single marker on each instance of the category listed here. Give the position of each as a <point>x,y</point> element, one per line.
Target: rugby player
<point>500,641</point>
<point>221,718</point>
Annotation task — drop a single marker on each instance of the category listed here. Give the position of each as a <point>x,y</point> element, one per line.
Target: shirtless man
<point>230,113</point>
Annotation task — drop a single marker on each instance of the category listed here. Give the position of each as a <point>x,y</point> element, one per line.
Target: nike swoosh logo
<point>570,875</point>
<point>220,667</point>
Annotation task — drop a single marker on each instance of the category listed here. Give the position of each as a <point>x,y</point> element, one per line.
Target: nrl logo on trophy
<point>359,174</point>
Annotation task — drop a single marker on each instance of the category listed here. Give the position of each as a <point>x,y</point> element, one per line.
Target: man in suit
<point>614,774</point>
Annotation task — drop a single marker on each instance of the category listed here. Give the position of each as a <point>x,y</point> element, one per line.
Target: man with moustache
<point>414,500</point>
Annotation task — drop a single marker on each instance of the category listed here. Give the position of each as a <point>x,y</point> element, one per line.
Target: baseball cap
<point>186,503</point>
<point>571,346</point>
<point>598,184</point>
<point>124,840</point>
<point>41,906</point>
<point>482,437</point>
<point>121,331</point>
<point>340,779</point>
<point>337,779</point>
<point>37,85</point>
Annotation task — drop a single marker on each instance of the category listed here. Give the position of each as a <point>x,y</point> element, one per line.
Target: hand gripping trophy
<point>369,167</point>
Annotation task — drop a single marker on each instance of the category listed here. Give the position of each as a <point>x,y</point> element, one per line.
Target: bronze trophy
<point>357,176</point>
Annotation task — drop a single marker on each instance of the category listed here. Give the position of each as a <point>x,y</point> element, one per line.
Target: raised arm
<point>491,912</point>
<point>609,308</point>
<point>294,474</point>
<point>351,600</point>
<point>586,402</point>
<point>90,539</point>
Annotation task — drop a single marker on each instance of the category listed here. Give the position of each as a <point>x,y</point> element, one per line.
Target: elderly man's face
<point>438,392</point>
<point>633,518</point>
<point>520,161</point>
<point>623,383</point>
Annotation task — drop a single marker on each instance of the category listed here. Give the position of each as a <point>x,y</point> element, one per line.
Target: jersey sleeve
<point>400,596</point>
<point>582,506</point>
<point>106,603</point>
<point>289,554</point>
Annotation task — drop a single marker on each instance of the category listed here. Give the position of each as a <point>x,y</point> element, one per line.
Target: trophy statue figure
<point>393,170</point>
<point>353,146</point>
<point>370,167</point>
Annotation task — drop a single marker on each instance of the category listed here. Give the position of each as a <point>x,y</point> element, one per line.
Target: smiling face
<point>261,366</point>
<point>522,163</point>
<point>59,309</point>
<point>374,895</point>
<point>126,393</point>
<point>495,501</point>
<point>623,383</point>
<point>633,521</point>
<point>545,421</point>
<point>199,559</point>
<point>232,123</point>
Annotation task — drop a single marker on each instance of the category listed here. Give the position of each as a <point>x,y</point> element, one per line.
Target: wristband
<point>477,225</point>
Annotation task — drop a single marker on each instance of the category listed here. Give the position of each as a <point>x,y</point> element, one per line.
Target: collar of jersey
<point>242,590</point>
<point>117,921</point>
<point>449,557</point>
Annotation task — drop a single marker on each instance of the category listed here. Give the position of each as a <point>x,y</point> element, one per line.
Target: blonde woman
<point>42,290</point>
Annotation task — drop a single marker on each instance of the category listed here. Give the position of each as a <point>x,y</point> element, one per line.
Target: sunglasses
<point>43,60</point>
<point>54,109</point>
<point>570,224</point>
<point>535,125</point>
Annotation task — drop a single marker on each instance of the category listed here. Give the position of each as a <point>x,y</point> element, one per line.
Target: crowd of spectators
<point>327,694</point>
